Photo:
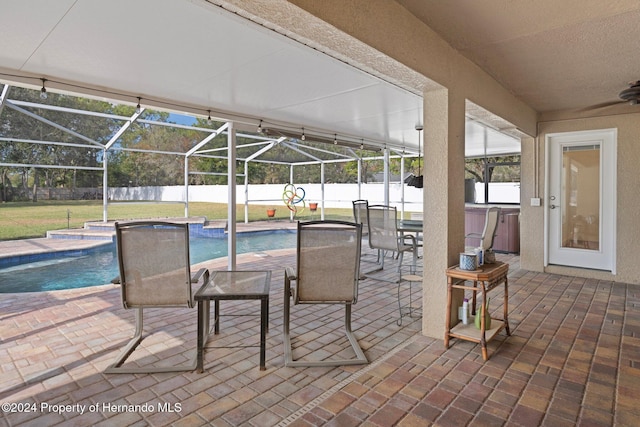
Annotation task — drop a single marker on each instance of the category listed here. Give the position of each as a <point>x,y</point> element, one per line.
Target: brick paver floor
<point>573,359</point>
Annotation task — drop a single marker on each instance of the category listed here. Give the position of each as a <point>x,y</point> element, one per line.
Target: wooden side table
<point>485,278</point>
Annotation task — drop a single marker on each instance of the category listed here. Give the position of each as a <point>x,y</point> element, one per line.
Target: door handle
<point>552,206</point>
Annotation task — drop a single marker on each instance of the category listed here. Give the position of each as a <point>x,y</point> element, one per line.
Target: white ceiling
<point>188,55</point>
<point>193,54</point>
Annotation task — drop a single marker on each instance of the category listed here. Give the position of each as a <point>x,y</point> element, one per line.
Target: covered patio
<point>571,360</point>
<point>367,72</point>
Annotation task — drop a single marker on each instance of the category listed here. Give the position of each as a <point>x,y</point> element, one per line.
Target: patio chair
<point>360,214</point>
<point>383,235</point>
<point>489,231</point>
<point>360,208</point>
<point>153,257</point>
<point>328,259</point>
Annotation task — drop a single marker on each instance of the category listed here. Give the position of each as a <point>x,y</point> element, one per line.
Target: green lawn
<point>27,220</point>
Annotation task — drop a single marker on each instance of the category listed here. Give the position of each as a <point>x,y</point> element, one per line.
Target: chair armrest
<point>409,237</point>
<point>290,273</point>
<point>195,278</point>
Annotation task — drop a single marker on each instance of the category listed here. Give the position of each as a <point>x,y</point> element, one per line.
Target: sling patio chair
<point>360,208</point>
<point>155,272</point>
<point>327,272</point>
<point>488,234</point>
<point>384,235</point>
<point>360,214</point>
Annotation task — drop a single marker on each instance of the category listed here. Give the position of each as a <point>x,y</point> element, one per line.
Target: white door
<point>581,199</point>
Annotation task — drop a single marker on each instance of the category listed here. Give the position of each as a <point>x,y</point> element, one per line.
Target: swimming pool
<point>100,265</point>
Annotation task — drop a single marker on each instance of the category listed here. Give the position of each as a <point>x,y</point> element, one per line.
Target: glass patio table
<point>232,285</point>
<point>410,226</point>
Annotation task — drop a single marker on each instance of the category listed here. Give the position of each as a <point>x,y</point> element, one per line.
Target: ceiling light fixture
<point>303,137</point>
<point>335,139</point>
<point>260,127</point>
<point>362,144</point>
<point>43,91</point>
<point>209,117</point>
<point>138,107</point>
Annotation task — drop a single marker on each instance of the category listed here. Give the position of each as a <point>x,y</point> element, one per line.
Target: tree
<point>15,124</point>
<point>483,169</point>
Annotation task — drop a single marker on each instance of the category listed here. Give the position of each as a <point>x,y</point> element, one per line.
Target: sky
<point>181,119</point>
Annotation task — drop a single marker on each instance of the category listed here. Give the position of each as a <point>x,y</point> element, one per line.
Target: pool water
<point>100,266</point>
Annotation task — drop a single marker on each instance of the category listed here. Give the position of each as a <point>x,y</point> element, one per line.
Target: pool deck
<point>572,359</point>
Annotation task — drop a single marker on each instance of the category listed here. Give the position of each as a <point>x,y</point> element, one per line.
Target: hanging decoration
<point>413,180</point>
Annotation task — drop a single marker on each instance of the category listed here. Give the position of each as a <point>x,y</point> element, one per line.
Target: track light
<point>43,91</point>
<point>303,137</point>
<point>260,127</point>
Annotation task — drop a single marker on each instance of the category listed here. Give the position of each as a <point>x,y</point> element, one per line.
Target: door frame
<point>605,134</point>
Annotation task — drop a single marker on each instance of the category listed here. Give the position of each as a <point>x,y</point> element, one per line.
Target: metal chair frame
<point>488,234</point>
<point>129,284</point>
<point>324,296</point>
<point>379,237</point>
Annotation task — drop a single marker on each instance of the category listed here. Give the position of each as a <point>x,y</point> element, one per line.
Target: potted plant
<point>271,212</point>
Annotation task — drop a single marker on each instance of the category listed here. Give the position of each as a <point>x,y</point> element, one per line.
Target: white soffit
<point>497,143</point>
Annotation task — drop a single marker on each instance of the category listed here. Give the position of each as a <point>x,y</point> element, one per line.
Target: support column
<point>231,204</point>
<point>359,178</point>
<point>443,201</point>
<point>105,186</point>
<point>186,186</point>
<point>386,176</point>
<point>246,192</point>
<point>322,190</point>
<point>402,186</point>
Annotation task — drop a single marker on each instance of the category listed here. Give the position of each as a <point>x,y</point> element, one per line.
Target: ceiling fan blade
<point>601,105</point>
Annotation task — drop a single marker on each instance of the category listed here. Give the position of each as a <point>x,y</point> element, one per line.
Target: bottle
<point>479,255</point>
<point>465,311</point>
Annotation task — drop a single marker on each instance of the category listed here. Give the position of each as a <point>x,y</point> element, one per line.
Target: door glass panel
<point>581,197</point>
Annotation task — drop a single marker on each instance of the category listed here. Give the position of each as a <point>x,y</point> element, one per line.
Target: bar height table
<point>232,285</point>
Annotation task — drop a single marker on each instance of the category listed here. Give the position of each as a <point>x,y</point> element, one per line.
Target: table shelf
<point>486,278</point>
<point>471,333</point>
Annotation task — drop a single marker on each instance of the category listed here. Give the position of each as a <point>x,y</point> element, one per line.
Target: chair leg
<point>288,356</point>
<point>408,310</point>
<point>415,261</point>
<point>360,356</point>
<point>360,359</point>
<point>116,367</point>
<point>399,321</point>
